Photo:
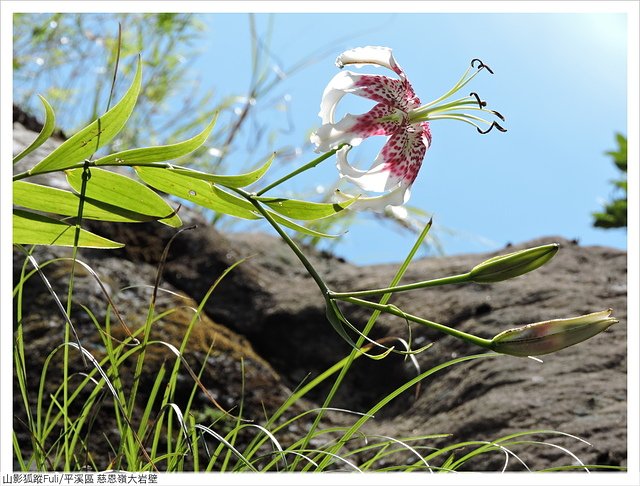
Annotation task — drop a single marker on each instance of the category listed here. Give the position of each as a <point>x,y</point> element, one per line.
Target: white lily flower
<point>397,114</point>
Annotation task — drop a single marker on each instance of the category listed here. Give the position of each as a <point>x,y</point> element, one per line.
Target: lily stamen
<point>481,103</point>
<point>449,110</point>
<point>472,102</point>
<point>423,112</point>
<point>498,114</point>
<point>464,117</point>
<point>493,124</point>
<point>462,82</point>
<point>481,66</point>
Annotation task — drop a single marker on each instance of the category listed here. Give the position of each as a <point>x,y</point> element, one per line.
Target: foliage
<point>70,49</point>
<point>99,188</point>
<point>615,211</point>
<point>173,439</point>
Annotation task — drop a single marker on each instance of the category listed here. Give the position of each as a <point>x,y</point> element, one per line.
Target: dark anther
<point>493,124</point>
<point>86,172</point>
<point>481,65</point>
<point>481,103</point>
<point>498,114</point>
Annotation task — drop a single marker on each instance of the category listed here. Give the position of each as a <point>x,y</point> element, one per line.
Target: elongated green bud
<point>503,267</point>
<point>550,336</point>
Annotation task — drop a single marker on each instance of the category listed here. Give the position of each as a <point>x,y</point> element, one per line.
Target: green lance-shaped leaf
<point>34,229</point>
<point>240,180</point>
<point>338,321</point>
<point>299,228</point>
<point>303,210</point>
<point>197,191</point>
<point>280,219</point>
<point>47,129</point>
<point>85,142</point>
<point>161,153</point>
<point>58,201</point>
<point>124,193</point>
<point>237,201</point>
<point>550,336</point>
<point>209,196</point>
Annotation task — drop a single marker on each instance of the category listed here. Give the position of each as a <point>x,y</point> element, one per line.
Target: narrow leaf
<point>58,201</point>
<point>303,210</point>
<point>337,321</point>
<point>299,228</point>
<point>47,129</point>
<point>197,191</point>
<point>240,180</point>
<point>237,201</point>
<point>205,194</point>
<point>125,193</point>
<point>34,229</point>
<point>160,153</point>
<point>280,219</point>
<point>85,142</point>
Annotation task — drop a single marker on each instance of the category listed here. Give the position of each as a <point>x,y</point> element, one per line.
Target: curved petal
<point>399,196</point>
<point>377,179</point>
<point>397,163</point>
<point>404,152</point>
<point>382,119</point>
<point>375,55</point>
<point>330,135</point>
<point>341,84</point>
<point>382,89</point>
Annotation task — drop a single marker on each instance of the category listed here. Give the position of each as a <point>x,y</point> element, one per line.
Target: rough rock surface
<point>271,310</point>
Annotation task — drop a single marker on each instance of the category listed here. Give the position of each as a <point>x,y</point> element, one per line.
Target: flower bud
<point>503,267</point>
<point>550,336</point>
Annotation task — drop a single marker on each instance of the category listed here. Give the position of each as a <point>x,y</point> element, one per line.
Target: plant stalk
<point>454,279</point>
<point>299,170</point>
<point>391,309</point>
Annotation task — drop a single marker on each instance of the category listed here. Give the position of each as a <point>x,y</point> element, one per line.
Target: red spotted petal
<point>404,151</point>
<point>383,89</point>
<point>396,165</point>
<point>372,123</point>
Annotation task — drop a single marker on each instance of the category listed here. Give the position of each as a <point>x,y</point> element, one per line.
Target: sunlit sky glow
<point>560,79</point>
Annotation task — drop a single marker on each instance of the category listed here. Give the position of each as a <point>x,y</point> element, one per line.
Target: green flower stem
<point>391,309</point>
<point>325,291</point>
<point>299,170</point>
<point>454,279</point>
<point>360,341</point>
<point>301,256</point>
<point>92,163</point>
<point>86,175</point>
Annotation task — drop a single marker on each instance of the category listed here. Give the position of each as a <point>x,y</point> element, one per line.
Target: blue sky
<point>560,80</point>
